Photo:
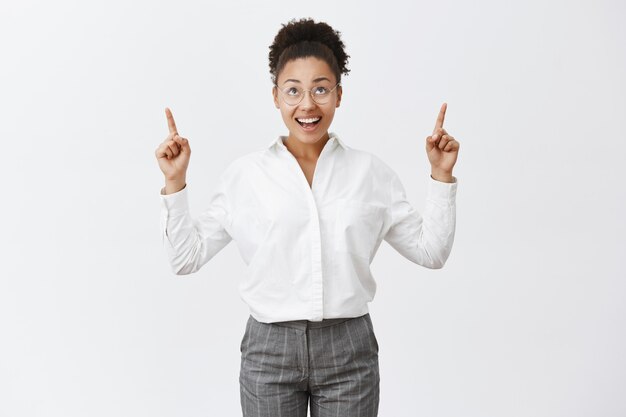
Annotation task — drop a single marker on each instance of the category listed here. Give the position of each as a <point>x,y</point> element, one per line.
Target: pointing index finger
<point>170,120</point>
<point>441,116</point>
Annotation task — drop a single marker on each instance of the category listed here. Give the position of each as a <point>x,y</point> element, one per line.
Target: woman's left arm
<point>427,239</point>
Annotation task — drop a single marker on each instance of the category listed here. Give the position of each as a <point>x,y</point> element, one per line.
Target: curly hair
<point>305,38</point>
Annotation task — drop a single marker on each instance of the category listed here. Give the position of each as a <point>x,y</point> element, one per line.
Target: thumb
<point>430,143</point>
<point>183,142</point>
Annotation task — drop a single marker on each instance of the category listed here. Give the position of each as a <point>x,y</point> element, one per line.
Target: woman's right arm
<point>189,242</point>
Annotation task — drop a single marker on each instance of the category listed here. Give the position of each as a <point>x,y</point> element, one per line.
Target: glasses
<point>320,94</point>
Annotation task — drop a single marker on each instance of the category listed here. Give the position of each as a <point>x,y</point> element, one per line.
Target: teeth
<point>315,119</point>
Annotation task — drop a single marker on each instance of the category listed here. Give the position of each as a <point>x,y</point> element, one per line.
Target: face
<point>307,73</point>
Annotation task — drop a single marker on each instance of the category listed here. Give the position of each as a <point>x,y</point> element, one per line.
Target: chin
<point>312,137</point>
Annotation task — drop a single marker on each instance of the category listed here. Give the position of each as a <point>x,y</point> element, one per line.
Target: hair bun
<point>305,30</point>
<point>305,37</point>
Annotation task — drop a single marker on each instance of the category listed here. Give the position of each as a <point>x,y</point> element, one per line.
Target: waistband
<point>307,324</point>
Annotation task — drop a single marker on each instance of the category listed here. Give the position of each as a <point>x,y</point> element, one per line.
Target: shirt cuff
<point>175,203</point>
<point>442,191</point>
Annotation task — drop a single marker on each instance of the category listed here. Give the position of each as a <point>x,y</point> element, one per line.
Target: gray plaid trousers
<point>332,363</point>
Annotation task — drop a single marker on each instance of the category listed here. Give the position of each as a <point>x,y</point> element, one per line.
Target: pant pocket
<point>370,327</point>
<point>246,335</point>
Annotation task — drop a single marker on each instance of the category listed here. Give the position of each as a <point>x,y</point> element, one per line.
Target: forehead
<point>306,70</point>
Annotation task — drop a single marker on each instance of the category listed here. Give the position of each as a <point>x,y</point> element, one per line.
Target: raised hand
<point>174,153</point>
<point>442,149</point>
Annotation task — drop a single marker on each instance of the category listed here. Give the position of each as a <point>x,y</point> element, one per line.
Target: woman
<point>308,214</point>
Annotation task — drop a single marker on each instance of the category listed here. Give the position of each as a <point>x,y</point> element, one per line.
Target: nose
<point>307,100</point>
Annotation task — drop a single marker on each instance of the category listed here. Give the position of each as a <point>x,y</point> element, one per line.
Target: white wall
<point>526,319</point>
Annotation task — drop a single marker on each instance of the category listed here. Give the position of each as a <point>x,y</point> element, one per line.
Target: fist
<point>173,153</point>
<point>442,149</point>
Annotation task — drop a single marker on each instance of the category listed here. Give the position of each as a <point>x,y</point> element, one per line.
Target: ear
<point>275,95</point>
<point>339,92</point>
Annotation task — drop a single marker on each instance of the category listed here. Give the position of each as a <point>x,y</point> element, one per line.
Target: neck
<point>302,150</point>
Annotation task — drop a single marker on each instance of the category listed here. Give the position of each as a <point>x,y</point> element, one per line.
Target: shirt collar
<point>332,136</point>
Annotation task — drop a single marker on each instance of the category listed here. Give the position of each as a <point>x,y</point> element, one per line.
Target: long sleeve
<point>191,242</point>
<point>425,240</point>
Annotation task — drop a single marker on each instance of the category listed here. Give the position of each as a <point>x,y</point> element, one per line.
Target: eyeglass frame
<point>304,91</point>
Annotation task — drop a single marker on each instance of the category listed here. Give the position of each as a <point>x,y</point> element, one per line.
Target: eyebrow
<point>315,80</point>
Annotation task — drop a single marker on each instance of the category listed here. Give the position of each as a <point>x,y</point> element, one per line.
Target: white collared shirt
<point>308,249</point>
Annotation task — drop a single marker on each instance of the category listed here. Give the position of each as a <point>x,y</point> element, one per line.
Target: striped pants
<point>332,363</point>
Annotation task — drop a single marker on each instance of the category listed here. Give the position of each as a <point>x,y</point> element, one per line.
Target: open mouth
<point>308,123</point>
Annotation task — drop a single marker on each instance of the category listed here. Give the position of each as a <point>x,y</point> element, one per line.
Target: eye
<point>291,91</point>
<point>320,90</point>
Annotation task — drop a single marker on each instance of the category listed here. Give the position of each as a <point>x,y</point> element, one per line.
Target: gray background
<point>527,317</point>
